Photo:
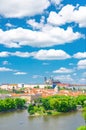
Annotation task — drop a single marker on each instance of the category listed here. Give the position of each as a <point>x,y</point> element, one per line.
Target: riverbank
<point>53,113</point>
<point>56,104</point>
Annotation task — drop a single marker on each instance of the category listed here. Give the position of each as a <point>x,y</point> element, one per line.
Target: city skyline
<point>40,39</point>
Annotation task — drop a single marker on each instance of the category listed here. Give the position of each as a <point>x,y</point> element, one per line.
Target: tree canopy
<point>57,104</point>
<point>11,103</point>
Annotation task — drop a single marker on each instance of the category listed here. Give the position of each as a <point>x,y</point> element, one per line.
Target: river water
<point>21,120</point>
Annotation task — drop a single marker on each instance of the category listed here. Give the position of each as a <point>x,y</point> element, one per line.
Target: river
<point>21,120</point>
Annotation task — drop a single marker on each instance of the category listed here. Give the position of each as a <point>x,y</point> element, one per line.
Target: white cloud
<point>68,14</point>
<point>71,64</point>
<point>17,53</point>
<point>48,36</point>
<point>80,16</point>
<point>4,54</point>
<point>43,54</point>
<point>22,8</point>
<point>63,70</point>
<point>51,55</point>
<point>81,64</point>
<point>16,72</point>
<point>40,55</point>
<point>80,55</point>
<point>5,62</point>
<point>45,63</point>
<point>21,54</point>
<point>4,69</point>
<point>65,78</point>
<point>9,25</point>
<point>35,24</point>
<point>57,2</point>
<point>20,73</point>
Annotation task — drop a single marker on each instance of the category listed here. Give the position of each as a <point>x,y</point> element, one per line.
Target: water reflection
<point>21,120</point>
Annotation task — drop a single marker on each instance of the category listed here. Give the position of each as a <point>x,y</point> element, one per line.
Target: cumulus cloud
<point>22,8</point>
<point>43,54</point>
<point>64,78</point>
<point>57,2</point>
<point>4,54</point>
<point>20,73</point>
<point>21,54</point>
<point>68,14</point>
<point>63,70</point>
<point>5,62</point>
<point>4,69</point>
<point>81,64</point>
<point>16,72</point>
<point>48,36</point>
<point>9,25</point>
<point>34,24</point>
<point>17,53</point>
<point>51,55</point>
<point>80,55</point>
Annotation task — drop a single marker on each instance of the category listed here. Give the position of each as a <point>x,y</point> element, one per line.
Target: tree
<point>82,128</point>
<point>11,104</point>
<point>84,114</point>
<point>46,103</point>
<point>31,109</point>
<point>20,103</point>
<point>54,104</point>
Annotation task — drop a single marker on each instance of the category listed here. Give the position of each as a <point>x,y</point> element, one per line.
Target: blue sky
<point>41,38</point>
